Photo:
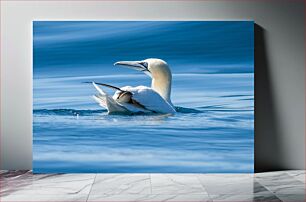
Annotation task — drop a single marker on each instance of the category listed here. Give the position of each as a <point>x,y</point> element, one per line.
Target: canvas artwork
<point>143,96</point>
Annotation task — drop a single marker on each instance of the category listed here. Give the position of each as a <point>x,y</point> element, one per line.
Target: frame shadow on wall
<point>267,145</point>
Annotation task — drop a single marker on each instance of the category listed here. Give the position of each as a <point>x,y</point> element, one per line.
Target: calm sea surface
<point>213,91</point>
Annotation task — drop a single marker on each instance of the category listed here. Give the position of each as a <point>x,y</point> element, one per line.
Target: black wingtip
<point>105,85</point>
<point>109,86</point>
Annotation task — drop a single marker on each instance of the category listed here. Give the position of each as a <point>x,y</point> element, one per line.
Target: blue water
<point>213,91</point>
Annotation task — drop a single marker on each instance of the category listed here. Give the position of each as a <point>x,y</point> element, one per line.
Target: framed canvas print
<point>143,96</point>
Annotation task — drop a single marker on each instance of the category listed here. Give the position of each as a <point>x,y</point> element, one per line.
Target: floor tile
<point>297,174</point>
<point>48,184</point>
<point>259,189</point>
<point>266,197</point>
<point>180,198</point>
<point>43,198</point>
<point>281,183</point>
<point>287,186</point>
<point>216,184</point>
<point>175,184</point>
<point>14,180</point>
<point>245,198</point>
<point>121,184</point>
<point>10,176</point>
<point>150,198</point>
<point>291,197</point>
<point>270,173</point>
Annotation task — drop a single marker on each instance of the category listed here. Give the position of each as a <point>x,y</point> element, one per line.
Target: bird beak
<point>137,65</point>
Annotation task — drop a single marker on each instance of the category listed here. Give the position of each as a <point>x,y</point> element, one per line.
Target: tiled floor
<point>271,186</point>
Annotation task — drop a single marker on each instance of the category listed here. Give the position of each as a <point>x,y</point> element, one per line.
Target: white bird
<point>140,99</point>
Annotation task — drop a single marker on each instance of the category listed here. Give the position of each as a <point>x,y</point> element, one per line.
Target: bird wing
<point>149,99</point>
<point>133,99</point>
<point>106,101</point>
<point>118,103</point>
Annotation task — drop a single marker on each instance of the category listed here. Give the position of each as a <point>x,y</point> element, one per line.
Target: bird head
<point>158,70</point>
<point>152,67</point>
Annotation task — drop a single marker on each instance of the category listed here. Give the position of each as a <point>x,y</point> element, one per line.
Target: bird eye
<point>144,64</point>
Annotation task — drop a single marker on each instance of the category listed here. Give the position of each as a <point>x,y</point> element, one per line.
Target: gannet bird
<point>140,99</point>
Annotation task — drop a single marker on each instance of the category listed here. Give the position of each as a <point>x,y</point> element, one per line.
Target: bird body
<point>140,99</point>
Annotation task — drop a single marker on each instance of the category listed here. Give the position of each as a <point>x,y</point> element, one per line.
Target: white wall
<point>280,73</point>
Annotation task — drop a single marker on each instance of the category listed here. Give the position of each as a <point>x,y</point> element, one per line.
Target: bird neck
<point>162,85</point>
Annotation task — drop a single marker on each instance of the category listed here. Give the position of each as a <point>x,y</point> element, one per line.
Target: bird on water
<point>140,99</point>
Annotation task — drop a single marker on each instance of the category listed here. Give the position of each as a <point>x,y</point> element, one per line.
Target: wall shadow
<point>267,135</point>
